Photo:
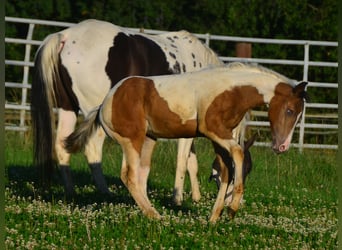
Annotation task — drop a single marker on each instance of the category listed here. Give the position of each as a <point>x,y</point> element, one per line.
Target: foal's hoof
<point>196,197</point>
<point>231,213</point>
<point>153,214</point>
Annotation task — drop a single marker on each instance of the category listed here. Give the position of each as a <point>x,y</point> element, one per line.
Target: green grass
<point>290,203</point>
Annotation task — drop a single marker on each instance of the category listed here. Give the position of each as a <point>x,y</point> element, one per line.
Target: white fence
<point>331,127</point>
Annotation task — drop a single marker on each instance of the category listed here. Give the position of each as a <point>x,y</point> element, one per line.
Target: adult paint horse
<point>75,69</point>
<point>209,103</point>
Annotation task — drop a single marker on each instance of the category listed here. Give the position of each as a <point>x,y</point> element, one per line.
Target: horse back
<point>135,108</point>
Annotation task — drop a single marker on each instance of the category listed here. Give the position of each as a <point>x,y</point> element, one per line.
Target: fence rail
<point>23,105</point>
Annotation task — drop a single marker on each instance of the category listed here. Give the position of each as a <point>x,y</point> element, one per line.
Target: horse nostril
<point>282,148</point>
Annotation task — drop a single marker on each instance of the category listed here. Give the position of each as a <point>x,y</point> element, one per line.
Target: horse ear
<point>250,141</point>
<point>299,90</point>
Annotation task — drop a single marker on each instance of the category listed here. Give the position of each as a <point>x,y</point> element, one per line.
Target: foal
<point>209,103</point>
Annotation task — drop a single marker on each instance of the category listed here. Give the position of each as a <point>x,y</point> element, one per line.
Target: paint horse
<point>75,69</point>
<point>209,103</point>
<point>228,161</point>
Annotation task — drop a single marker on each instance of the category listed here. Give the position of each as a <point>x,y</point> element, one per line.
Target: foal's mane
<point>259,68</point>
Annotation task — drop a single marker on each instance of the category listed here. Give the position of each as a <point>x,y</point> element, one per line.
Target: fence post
<point>243,50</point>
<point>305,78</point>
<point>25,77</point>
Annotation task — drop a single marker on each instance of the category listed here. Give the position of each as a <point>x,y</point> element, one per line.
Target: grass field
<point>290,203</point>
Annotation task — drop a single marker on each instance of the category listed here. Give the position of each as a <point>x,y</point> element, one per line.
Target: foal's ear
<point>299,90</point>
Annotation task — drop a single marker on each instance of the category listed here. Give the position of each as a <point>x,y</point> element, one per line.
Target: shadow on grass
<point>23,182</point>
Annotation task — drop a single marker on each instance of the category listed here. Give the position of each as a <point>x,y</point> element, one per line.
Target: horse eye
<point>289,111</point>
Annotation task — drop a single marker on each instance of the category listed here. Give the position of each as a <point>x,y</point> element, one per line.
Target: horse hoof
<point>196,198</point>
<point>231,213</point>
<point>153,214</point>
<point>213,219</point>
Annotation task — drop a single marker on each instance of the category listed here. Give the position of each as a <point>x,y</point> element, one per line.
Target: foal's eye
<point>289,111</point>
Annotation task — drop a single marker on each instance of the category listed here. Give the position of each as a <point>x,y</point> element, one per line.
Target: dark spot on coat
<point>184,68</point>
<point>172,55</point>
<point>65,96</point>
<point>176,68</point>
<point>170,38</point>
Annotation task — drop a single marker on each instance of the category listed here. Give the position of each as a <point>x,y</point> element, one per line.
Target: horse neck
<point>250,98</point>
<point>266,87</point>
<point>257,93</point>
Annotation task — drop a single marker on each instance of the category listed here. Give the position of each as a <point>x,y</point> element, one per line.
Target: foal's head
<point>285,109</point>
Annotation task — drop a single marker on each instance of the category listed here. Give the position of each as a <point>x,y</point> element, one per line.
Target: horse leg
<point>184,146</point>
<point>236,153</point>
<point>145,162</point>
<point>130,176</point>
<point>66,125</point>
<point>192,167</point>
<point>93,152</point>
<point>224,177</point>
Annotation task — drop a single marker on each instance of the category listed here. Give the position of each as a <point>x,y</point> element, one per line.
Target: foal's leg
<point>93,152</point>
<point>145,164</point>
<point>184,146</point>
<point>224,178</point>
<point>192,167</point>
<point>237,154</point>
<point>130,176</point>
<point>66,125</point>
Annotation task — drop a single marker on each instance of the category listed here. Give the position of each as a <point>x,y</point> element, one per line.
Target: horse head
<point>285,110</point>
<point>246,167</point>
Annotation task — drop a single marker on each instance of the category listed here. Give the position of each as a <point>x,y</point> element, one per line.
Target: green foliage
<point>310,20</point>
<point>303,20</point>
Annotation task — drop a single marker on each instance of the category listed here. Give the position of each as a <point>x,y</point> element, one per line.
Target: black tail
<point>42,102</point>
<point>77,140</point>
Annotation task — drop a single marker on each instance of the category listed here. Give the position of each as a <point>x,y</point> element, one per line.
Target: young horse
<point>75,69</point>
<point>228,161</point>
<point>209,103</point>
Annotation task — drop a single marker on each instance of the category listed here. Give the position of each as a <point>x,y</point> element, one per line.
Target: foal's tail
<point>76,140</point>
<point>46,74</point>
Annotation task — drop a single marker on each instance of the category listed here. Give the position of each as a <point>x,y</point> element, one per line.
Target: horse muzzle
<point>280,147</point>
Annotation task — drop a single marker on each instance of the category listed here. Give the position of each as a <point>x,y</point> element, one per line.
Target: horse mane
<point>210,56</point>
<point>259,68</point>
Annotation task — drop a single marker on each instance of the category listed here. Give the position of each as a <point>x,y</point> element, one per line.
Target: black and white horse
<point>74,70</point>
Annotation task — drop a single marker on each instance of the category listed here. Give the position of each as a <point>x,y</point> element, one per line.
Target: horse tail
<point>75,141</point>
<point>46,75</point>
